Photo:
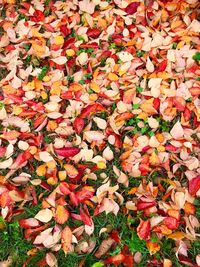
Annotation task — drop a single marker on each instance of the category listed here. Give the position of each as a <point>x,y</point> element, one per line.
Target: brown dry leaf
<point>104,247</point>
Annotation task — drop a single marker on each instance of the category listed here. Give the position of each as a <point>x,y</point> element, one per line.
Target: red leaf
<point>179,103</point>
<point>67,152</point>
<point>186,261</point>
<point>132,8</point>
<point>91,45</point>
<point>38,16</point>
<point>67,95</point>
<point>115,235</point>
<point>141,205</point>
<point>171,223</point>
<point>143,230</point>
<point>66,239</point>
<point>64,188</point>
<point>29,223</point>
<point>156,103</point>
<point>93,32</point>
<point>194,185</point>
<point>85,216</point>
<point>31,233</point>
<point>91,109</point>
<point>73,199</point>
<point>83,195</point>
<point>171,148</point>
<point>116,260</point>
<point>21,158</point>
<point>162,66</point>
<point>65,31</point>
<point>39,121</point>
<point>79,125</point>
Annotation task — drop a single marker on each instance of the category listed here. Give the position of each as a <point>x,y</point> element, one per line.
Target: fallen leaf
<point>66,239</point>
<point>44,215</point>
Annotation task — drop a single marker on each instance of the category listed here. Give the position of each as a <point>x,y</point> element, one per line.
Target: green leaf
<point>1,105</point>
<point>46,3</point>
<point>47,12</point>
<point>136,106</point>
<point>103,61</point>
<point>81,50</point>
<point>189,99</point>
<point>88,75</point>
<point>80,38</point>
<point>26,46</point>
<point>139,89</point>
<point>98,264</point>
<point>140,53</point>
<point>131,122</point>
<point>144,130</point>
<point>3,12</point>
<point>70,78</point>
<point>174,46</point>
<point>90,50</point>
<point>81,82</point>
<point>196,57</point>
<point>42,73</point>
<point>151,134</point>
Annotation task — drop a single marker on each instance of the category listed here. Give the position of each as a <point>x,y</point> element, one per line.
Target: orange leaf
<point>10,135</point>
<point>147,107</point>
<point>174,213</point>
<point>153,247</point>
<point>163,229</point>
<point>125,155</point>
<point>124,116</point>
<point>128,96</point>
<point>75,87</point>
<point>66,239</point>
<point>189,208</point>
<point>71,170</point>
<point>132,191</point>
<point>177,235</point>
<point>62,214</point>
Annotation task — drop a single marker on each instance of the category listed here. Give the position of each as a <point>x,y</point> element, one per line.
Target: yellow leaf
<point>113,77</point>
<point>154,159</point>
<point>70,52</point>
<point>62,175</point>
<point>41,170</point>
<point>59,40</point>
<point>95,87</point>
<point>101,165</point>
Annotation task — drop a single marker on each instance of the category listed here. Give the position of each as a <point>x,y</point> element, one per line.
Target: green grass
<point>13,244</point>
